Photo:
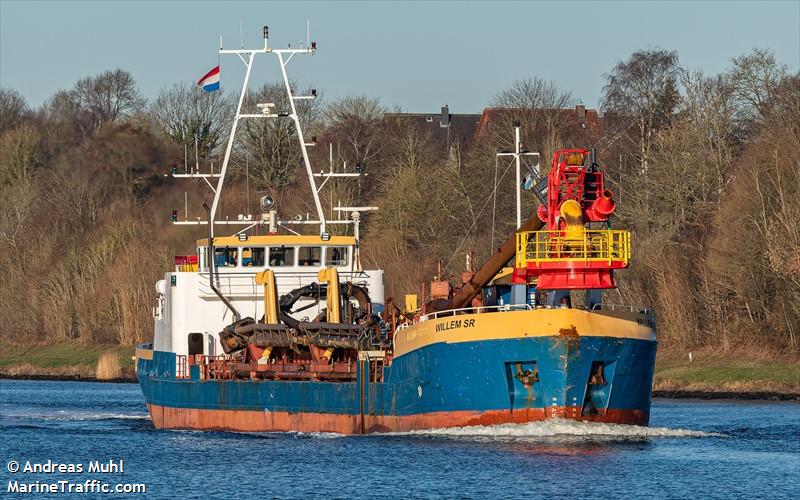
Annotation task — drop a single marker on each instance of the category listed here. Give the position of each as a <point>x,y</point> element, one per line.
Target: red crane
<point>576,249</point>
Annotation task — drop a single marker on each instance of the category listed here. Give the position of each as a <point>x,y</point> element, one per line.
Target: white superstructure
<point>189,312</point>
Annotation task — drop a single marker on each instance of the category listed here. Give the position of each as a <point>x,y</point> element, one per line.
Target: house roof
<point>461,127</point>
<point>467,127</point>
<point>569,116</point>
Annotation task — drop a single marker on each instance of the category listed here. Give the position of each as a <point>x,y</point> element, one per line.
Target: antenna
<point>517,154</point>
<point>196,155</point>
<point>267,111</point>
<point>241,33</point>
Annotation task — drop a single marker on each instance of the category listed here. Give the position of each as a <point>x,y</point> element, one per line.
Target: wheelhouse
<point>279,253</point>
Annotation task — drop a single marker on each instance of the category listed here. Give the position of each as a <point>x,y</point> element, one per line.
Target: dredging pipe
<point>488,270</point>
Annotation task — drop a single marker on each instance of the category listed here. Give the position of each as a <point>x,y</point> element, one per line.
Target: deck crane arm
<point>488,270</point>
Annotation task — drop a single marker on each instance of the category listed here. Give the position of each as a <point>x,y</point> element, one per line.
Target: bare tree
<point>709,112</point>
<point>273,142</point>
<point>353,123</point>
<point>784,108</point>
<point>644,88</point>
<point>21,153</point>
<point>533,93</point>
<point>539,106</point>
<point>13,109</point>
<point>755,78</point>
<point>108,97</point>
<point>185,112</point>
<point>61,107</point>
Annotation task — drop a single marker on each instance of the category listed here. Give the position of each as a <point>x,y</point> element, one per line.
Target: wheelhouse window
<point>226,256</point>
<point>253,256</point>
<point>310,256</point>
<point>336,256</point>
<point>281,256</point>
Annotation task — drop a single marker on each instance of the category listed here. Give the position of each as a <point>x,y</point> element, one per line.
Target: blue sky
<point>415,55</point>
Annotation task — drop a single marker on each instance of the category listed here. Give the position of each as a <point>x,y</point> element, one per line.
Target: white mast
<point>268,111</point>
<point>518,154</point>
<point>224,170</point>
<point>293,116</point>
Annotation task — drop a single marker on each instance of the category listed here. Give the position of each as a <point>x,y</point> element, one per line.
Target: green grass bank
<point>708,373</point>
<point>67,360</point>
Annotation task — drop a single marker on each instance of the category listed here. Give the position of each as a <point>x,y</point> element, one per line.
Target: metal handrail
<point>475,310</point>
<point>621,307</point>
<point>242,284</point>
<point>596,245</point>
<point>181,366</point>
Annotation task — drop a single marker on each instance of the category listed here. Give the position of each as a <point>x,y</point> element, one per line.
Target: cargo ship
<point>277,327</point>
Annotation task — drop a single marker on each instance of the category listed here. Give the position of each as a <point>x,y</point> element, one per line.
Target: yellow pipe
<point>572,214</point>
<point>267,278</point>
<point>411,303</point>
<point>330,276</point>
<point>328,353</point>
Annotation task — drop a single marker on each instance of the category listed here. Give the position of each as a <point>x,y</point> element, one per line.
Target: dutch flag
<point>210,81</point>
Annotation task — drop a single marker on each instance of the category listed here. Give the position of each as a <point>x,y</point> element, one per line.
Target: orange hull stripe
<point>266,421</point>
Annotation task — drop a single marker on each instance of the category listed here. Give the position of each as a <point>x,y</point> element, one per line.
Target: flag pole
<point>219,61</point>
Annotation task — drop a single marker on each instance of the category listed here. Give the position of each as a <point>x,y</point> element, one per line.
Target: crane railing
<point>594,245</point>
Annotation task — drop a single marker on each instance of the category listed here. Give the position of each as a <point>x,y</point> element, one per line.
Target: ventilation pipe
<point>212,275</point>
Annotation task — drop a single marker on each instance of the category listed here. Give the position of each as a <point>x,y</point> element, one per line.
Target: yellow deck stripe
<point>517,324</point>
<point>279,240</point>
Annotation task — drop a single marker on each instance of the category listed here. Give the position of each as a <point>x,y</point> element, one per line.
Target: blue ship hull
<point>440,384</point>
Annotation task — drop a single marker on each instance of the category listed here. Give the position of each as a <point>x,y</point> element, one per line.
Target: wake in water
<point>533,431</point>
<point>69,415</point>
<point>554,429</point>
<point>557,428</point>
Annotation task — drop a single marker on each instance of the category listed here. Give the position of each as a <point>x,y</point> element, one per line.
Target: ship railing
<point>223,367</point>
<point>181,366</point>
<point>603,306</point>
<point>593,245</point>
<point>242,284</point>
<point>212,366</point>
<point>475,310</point>
<point>376,361</point>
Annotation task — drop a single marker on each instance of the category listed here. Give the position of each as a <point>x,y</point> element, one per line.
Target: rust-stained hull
<point>255,421</point>
<point>447,382</point>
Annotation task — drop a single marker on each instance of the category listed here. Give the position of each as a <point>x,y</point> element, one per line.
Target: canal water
<point>708,449</point>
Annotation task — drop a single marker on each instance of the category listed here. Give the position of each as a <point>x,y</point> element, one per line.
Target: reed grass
<point>108,366</point>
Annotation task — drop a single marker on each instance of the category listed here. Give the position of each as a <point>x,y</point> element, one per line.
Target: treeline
<point>705,169</point>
